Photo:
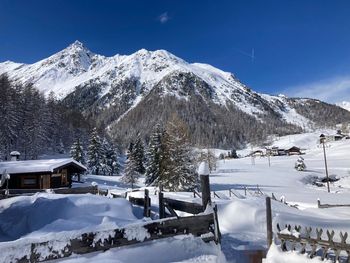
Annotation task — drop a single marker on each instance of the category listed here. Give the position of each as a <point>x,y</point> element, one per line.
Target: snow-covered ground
<point>242,219</point>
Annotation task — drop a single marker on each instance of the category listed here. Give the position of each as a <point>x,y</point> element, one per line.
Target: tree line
<point>168,162</point>
<point>33,124</point>
<point>101,156</point>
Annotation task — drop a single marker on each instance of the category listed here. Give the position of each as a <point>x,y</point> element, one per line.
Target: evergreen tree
<point>112,161</point>
<point>8,116</point>
<point>139,154</point>
<point>95,153</point>
<point>34,127</point>
<point>300,164</point>
<point>110,164</point>
<point>77,151</point>
<point>154,156</point>
<point>178,163</point>
<point>105,168</point>
<point>32,124</point>
<point>131,175</point>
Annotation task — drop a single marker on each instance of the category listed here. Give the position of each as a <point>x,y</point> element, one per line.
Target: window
<point>29,182</point>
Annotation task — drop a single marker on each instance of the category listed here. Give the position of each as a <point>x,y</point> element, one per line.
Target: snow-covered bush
<point>299,164</point>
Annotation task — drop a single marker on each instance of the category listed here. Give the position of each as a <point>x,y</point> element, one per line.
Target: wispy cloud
<point>331,90</point>
<point>163,18</point>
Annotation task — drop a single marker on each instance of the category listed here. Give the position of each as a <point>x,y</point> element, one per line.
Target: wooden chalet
<point>294,151</point>
<point>257,153</point>
<point>41,174</point>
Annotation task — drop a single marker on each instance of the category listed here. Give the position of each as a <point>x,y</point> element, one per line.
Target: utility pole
<point>322,140</point>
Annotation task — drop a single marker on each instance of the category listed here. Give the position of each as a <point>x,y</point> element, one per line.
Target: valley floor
<point>242,217</point>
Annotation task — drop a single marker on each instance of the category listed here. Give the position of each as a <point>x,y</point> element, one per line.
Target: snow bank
<point>242,216</point>
<point>276,255</point>
<point>46,215</point>
<point>178,249</point>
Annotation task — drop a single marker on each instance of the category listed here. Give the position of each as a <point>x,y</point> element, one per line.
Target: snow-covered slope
<point>76,66</point>
<point>125,87</point>
<point>344,105</point>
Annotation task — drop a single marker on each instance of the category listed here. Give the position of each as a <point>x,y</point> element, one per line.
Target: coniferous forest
<point>34,125</point>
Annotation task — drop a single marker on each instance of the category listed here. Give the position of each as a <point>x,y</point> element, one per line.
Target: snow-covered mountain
<point>344,105</point>
<point>116,90</point>
<point>76,66</point>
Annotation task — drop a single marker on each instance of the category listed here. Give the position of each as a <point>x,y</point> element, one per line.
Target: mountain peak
<point>77,47</point>
<point>77,43</point>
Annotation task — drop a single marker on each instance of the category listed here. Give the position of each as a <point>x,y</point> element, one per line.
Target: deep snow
<point>242,219</point>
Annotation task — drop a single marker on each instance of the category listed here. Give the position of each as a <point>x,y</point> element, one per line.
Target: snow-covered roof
<point>36,166</point>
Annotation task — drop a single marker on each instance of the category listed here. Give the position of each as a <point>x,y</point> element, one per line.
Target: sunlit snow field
<point>242,219</point>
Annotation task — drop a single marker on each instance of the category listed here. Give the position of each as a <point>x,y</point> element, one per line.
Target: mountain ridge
<point>110,90</point>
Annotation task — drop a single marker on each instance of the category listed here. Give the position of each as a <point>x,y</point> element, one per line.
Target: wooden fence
<point>203,226</point>
<point>145,202</point>
<point>191,208</point>
<point>77,190</point>
<point>166,204</point>
<point>313,243</point>
<point>319,205</point>
<point>283,201</point>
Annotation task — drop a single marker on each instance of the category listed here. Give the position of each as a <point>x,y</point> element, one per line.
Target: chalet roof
<point>294,148</point>
<point>37,166</point>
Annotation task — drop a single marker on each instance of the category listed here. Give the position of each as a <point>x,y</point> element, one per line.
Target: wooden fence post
<point>161,205</point>
<point>217,232</point>
<point>205,186</point>
<point>147,205</point>
<point>269,221</point>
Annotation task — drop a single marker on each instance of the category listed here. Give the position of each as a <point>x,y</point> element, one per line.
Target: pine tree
<point>95,153</point>
<point>9,118</point>
<point>154,156</point>
<point>131,175</point>
<point>34,128</point>
<point>300,164</point>
<point>33,125</point>
<point>179,170</point>
<point>110,164</point>
<point>139,155</point>
<point>77,151</point>
<point>112,161</point>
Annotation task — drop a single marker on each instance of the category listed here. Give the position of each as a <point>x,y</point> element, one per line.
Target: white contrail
<point>251,55</point>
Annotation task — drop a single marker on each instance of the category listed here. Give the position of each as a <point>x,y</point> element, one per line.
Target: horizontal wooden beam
<point>192,208</point>
<point>198,226</point>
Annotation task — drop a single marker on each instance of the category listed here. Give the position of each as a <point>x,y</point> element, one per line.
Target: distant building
<point>336,137</point>
<point>273,151</point>
<point>294,151</point>
<point>41,174</point>
<point>276,151</point>
<point>257,153</point>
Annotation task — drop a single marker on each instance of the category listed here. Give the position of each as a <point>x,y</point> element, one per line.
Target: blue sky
<point>301,47</point>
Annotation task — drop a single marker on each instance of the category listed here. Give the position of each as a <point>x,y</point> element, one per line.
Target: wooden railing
<point>319,205</point>
<point>145,202</point>
<point>203,226</point>
<point>191,208</point>
<point>77,190</point>
<point>283,201</point>
<point>293,238</point>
